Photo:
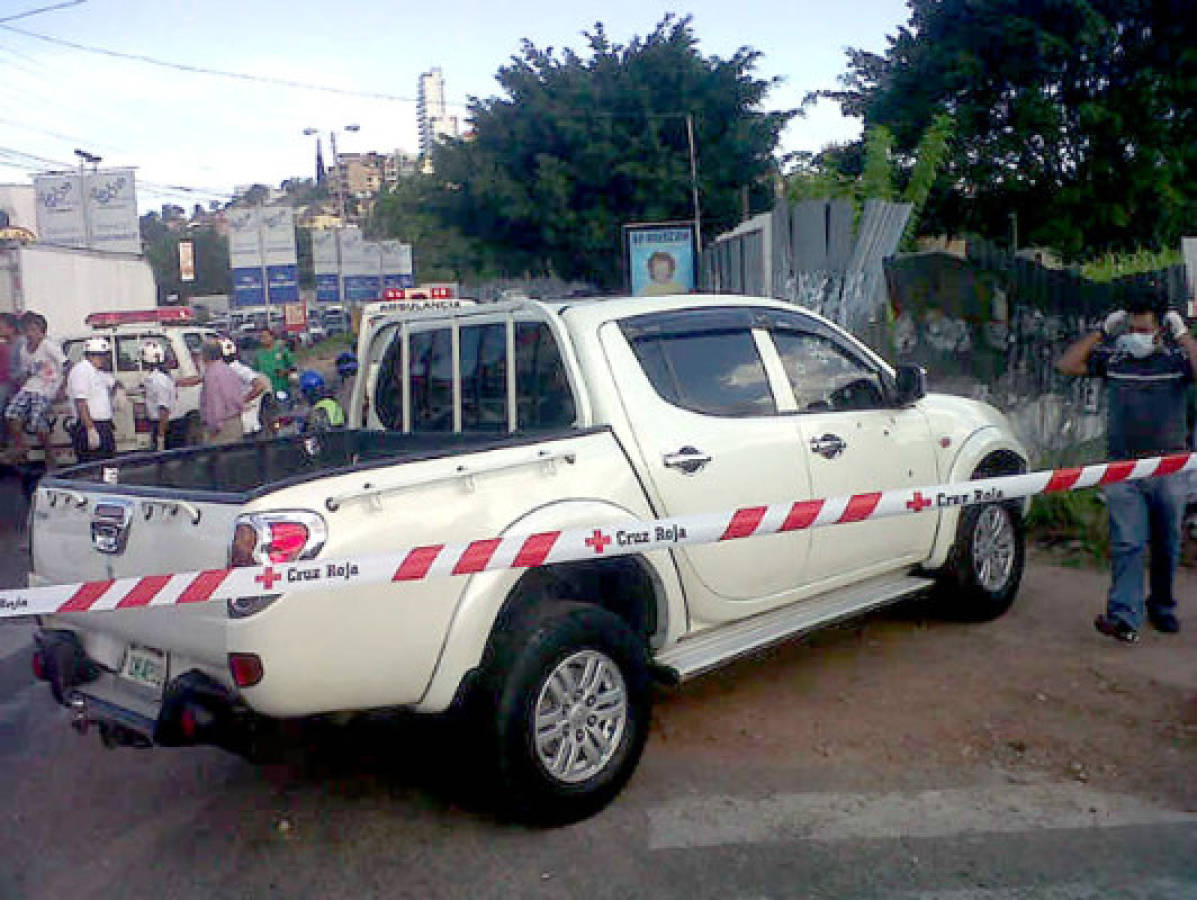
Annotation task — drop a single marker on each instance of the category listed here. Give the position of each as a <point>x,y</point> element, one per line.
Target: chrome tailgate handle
<point>828,446</point>
<point>687,459</point>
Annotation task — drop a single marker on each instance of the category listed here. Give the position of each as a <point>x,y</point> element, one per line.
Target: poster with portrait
<point>660,258</point>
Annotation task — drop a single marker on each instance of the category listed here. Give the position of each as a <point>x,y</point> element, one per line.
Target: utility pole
<point>694,182</point>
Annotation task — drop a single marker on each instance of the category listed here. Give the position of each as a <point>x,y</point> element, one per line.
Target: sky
<point>187,130</point>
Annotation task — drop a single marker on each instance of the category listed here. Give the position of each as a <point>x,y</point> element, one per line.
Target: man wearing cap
<point>90,388</point>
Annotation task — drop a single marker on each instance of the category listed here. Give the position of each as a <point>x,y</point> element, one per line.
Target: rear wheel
<point>569,711</point>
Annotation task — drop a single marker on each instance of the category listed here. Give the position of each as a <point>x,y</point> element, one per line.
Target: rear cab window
<point>473,374</point>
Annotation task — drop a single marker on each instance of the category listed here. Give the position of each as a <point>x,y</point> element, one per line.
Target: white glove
<point>93,439</point>
<point>1174,325</point>
<point>1115,323</point>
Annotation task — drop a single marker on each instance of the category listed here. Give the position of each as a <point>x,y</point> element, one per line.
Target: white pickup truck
<point>509,419</point>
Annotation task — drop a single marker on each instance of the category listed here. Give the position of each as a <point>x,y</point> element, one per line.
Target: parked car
<point>526,418</point>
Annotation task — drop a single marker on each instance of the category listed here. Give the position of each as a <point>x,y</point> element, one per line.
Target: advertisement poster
<point>186,261</point>
<point>326,265</point>
<point>282,283</point>
<point>111,214</point>
<point>60,210</point>
<point>660,258</point>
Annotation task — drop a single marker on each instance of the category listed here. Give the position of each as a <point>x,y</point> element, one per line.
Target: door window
<point>825,377</point>
<point>718,373</point>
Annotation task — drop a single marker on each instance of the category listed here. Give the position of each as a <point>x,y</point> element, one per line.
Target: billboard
<point>397,265</point>
<point>360,266</point>
<point>245,239</point>
<point>326,266</point>
<point>278,253</point>
<point>659,258</point>
<point>60,210</point>
<point>111,211</point>
<point>1188,248</point>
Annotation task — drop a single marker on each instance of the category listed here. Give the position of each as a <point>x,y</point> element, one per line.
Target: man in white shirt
<point>161,398</point>
<point>90,390</point>
<point>41,370</point>
<point>255,383</point>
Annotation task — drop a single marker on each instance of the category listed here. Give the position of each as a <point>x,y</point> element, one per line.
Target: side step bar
<point>709,649</point>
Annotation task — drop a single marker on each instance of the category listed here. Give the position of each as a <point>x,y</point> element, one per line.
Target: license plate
<point>145,666</point>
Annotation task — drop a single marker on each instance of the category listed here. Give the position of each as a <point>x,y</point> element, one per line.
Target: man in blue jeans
<point>1148,362</point>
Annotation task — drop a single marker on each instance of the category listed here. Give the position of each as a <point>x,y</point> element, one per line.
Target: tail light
<point>277,537</point>
<point>246,669</point>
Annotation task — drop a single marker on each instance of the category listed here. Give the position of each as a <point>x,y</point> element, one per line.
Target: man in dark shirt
<point>1148,363</point>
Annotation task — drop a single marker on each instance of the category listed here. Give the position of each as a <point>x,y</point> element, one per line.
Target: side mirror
<point>910,384</point>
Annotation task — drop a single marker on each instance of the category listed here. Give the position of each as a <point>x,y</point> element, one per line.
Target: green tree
<point>162,252</point>
<point>1077,116</point>
<point>582,143</point>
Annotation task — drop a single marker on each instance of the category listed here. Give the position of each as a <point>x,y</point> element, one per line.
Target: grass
<point>325,350</point>
<point>1076,522</point>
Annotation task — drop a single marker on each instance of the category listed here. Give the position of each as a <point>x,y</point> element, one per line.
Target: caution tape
<point>597,541</point>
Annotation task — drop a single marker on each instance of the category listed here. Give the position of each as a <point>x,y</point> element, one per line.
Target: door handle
<point>687,459</point>
<point>828,446</point>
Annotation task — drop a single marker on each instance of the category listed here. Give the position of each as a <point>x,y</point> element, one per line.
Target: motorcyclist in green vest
<point>326,412</point>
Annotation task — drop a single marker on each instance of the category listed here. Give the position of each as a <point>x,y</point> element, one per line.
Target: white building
<point>18,207</point>
<point>434,119</point>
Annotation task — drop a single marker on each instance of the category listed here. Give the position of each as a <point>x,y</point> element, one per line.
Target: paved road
<point>749,788</point>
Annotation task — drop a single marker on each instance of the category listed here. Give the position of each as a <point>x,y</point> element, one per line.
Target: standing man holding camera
<point>1148,359</point>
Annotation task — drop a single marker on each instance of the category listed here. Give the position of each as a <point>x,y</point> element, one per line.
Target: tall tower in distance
<point>434,119</point>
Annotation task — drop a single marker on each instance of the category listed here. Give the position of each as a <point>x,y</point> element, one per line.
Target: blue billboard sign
<point>398,281</point>
<point>363,288</point>
<point>328,287</point>
<point>283,283</point>
<point>248,287</point>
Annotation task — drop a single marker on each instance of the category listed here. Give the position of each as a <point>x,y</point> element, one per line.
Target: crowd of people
<point>35,374</point>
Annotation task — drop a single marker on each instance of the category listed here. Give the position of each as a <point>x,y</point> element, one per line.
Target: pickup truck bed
<point>241,472</point>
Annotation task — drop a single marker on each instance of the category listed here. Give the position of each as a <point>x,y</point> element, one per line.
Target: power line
<point>219,73</point>
<point>42,9</point>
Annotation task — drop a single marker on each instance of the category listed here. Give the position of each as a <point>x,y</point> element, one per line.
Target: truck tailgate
<point>87,533</point>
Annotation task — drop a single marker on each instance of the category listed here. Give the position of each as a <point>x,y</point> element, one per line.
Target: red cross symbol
<point>918,503</point>
<point>268,577</point>
<point>598,541</point>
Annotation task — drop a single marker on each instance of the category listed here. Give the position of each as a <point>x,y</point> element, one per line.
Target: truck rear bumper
<point>192,709</point>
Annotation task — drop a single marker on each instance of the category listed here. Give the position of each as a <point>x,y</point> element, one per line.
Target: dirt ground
<point>882,699</point>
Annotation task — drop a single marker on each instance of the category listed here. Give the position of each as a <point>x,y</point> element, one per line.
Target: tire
<point>986,566</point>
<point>576,769</point>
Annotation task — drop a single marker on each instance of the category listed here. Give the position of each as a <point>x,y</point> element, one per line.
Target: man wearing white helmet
<point>161,397</point>
<point>255,384</point>
<point>90,388</point>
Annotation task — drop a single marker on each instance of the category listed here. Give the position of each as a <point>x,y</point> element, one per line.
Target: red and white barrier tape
<point>596,541</point>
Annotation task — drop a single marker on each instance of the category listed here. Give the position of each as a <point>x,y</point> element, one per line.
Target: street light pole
<point>85,157</point>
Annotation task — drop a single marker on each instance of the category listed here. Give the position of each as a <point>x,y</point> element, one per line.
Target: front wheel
<point>982,579</point>
<point>571,703</point>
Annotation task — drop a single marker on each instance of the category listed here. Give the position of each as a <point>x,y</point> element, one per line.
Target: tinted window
<point>543,396</point>
<point>194,341</point>
<point>717,373</point>
<point>431,374</point>
<point>825,377</point>
<point>484,377</point>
